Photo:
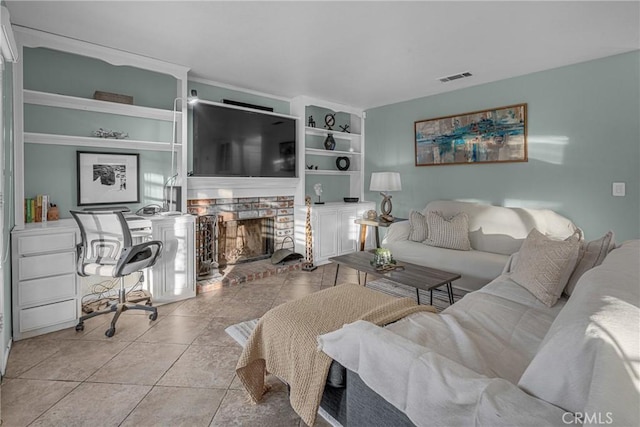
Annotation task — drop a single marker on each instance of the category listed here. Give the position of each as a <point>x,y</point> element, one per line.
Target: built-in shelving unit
<point>73,102</point>
<point>87,141</point>
<point>156,122</point>
<point>317,161</point>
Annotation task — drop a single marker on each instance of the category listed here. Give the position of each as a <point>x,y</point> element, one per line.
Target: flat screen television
<point>231,141</point>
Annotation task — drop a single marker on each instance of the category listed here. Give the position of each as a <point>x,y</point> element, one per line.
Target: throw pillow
<point>418,230</point>
<point>544,265</point>
<point>452,233</point>
<point>591,255</point>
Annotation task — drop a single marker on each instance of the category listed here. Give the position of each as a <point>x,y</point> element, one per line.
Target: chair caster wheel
<point>110,332</point>
<point>80,327</point>
<point>153,316</point>
<point>149,303</point>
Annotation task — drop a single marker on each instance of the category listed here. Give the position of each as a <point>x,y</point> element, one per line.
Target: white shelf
<point>324,132</point>
<point>330,172</point>
<point>106,143</point>
<point>64,101</point>
<point>334,153</point>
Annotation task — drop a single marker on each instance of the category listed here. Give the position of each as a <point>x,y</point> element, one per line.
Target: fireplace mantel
<point>228,187</point>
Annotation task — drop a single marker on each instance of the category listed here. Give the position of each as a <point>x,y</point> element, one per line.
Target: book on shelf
<point>36,208</point>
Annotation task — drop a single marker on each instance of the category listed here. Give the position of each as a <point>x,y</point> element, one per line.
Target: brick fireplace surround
<point>279,208</point>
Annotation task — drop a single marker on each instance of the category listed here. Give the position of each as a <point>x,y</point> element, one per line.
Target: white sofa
<point>500,357</point>
<point>495,233</point>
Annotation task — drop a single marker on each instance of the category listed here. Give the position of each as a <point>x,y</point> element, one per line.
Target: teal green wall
<point>51,169</point>
<point>7,191</point>
<point>56,175</point>
<point>65,73</point>
<point>583,135</point>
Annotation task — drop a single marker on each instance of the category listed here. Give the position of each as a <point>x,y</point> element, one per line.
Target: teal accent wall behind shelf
<point>53,71</point>
<point>51,169</point>
<point>583,135</point>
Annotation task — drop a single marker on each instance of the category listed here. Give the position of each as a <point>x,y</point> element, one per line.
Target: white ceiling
<point>363,54</point>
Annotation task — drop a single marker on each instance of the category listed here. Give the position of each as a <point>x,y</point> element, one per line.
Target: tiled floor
<point>176,371</point>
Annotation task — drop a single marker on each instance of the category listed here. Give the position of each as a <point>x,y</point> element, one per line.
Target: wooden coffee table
<point>417,276</point>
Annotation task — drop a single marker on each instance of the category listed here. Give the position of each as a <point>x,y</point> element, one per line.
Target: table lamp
<point>384,182</point>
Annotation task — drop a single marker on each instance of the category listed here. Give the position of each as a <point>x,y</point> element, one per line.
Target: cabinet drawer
<point>47,315</point>
<point>28,245</point>
<point>37,266</point>
<point>37,291</point>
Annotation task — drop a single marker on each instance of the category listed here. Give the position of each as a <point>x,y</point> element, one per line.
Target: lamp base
<point>387,218</point>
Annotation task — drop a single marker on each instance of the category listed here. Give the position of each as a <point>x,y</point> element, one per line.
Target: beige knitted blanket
<point>284,342</point>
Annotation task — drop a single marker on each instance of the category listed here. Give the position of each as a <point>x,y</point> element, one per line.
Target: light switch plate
<point>619,189</point>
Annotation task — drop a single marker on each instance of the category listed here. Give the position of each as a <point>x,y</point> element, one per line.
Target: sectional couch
<point>501,357</point>
<point>495,232</point>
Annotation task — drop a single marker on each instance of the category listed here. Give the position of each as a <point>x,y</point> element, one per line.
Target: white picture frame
<point>107,178</point>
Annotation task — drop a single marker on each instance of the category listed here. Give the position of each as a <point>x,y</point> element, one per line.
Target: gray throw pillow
<point>418,230</point>
<point>544,265</point>
<point>448,233</point>
<point>591,255</point>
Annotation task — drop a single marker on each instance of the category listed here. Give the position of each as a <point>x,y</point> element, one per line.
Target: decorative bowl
<point>351,199</point>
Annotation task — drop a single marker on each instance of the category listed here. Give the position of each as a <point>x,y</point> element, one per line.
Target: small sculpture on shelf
<point>318,189</point>
<point>329,121</point>
<point>312,123</point>
<point>312,167</point>
<point>344,128</point>
<point>106,133</point>
<point>330,143</point>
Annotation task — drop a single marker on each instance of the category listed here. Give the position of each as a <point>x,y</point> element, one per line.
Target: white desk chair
<point>107,249</point>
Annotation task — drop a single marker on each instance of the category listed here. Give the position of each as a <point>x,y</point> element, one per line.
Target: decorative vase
<point>329,143</point>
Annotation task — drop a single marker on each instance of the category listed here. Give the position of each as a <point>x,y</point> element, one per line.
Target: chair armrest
<point>430,388</point>
<point>138,257</point>
<point>397,231</point>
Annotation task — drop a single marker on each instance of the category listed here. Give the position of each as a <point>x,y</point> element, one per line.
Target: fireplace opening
<point>245,240</point>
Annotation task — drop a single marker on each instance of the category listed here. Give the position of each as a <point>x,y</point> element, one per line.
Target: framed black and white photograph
<point>107,178</point>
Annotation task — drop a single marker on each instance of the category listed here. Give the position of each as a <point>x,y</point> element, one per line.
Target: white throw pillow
<point>452,233</point>
<point>591,255</point>
<point>418,230</point>
<point>544,265</point>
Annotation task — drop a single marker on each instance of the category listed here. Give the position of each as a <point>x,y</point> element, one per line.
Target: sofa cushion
<point>477,268</point>
<point>448,233</point>
<point>418,230</point>
<point>589,360</point>
<point>502,230</point>
<point>545,264</point>
<point>495,331</point>
<point>591,255</point>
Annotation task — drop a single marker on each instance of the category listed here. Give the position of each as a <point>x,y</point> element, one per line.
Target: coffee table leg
<point>430,296</point>
<point>450,292</point>
<point>418,296</point>
<point>335,279</point>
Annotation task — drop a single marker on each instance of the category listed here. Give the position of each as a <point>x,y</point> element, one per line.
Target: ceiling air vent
<point>455,77</point>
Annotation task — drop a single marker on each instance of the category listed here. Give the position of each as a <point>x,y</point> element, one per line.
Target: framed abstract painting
<point>489,136</point>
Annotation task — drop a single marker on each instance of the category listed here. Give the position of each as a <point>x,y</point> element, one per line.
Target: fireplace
<point>247,228</point>
<point>244,240</point>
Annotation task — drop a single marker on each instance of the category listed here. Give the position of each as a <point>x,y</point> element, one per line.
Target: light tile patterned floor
<point>176,371</point>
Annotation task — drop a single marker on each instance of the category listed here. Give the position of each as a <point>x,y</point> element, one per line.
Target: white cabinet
<point>173,276</point>
<point>47,292</point>
<point>334,230</point>
<point>44,279</point>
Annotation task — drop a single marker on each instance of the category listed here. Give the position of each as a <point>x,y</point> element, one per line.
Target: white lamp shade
<point>385,181</point>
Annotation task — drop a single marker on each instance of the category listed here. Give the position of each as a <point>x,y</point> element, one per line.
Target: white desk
<point>47,290</point>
